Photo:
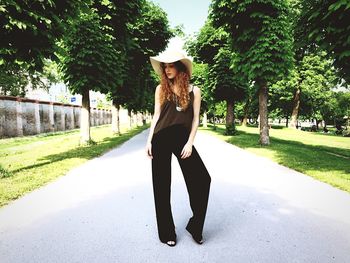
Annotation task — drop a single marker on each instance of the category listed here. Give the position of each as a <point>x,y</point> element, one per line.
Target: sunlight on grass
<point>322,156</point>
<point>30,162</point>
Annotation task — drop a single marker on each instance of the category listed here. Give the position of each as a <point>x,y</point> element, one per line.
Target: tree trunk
<point>317,123</point>
<point>229,113</point>
<point>287,121</point>
<point>144,118</point>
<point>213,110</point>
<point>296,106</point>
<point>263,124</point>
<point>230,117</point>
<point>130,119</point>
<point>85,118</point>
<point>115,119</point>
<point>245,121</point>
<point>245,117</point>
<point>205,119</point>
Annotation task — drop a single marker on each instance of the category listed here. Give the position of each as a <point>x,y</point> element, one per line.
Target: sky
<point>191,13</point>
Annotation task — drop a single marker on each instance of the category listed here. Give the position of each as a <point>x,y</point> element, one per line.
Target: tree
<point>261,36</point>
<point>211,47</point>
<point>203,48</point>
<point>307,90</point>
<point>146,36</point>
<point>226,85</point>
<point>90,63</point>
<point>318,78</point>
<point>15,78</point>
<point>342,108</point>
<point>200,79</point>
<point>29,32</point>
<point>30,29</point>
<point>287,97</point>
<point>251,104</point>
<point>150,34</point>
<point>326,24</point>
<point>206,44</point>
<point>116,18</point>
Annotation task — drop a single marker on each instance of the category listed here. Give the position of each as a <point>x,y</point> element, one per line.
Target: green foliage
<point>282,93</point>
<point>29,30</point>
<point>315,76</point>
<point>89,142</point>
<point>91,61</point>
<point>318,77</point>
<point>210,46</point>
<point>148,35</point>
<point>220,109</point>
<point>200,79</point>
<point>224,82</point>
<point>318,155</point>
<point>179,31</point>
<point>150,32</point>
<point>36,160</point>
<point>261,36</point>
<point>230,129</point>
<point>325,23</point>
<point>62,98</point>
<point>15,78</point>
<point>102,104</point>
<point>4,172</point>
<point>203,47</point>
<point>206,44</point>
<point>341,107</point>
<point>199,74</point>
<point>250,105</point>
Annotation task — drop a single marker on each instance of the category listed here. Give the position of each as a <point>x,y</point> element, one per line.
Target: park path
<point>103,211</point>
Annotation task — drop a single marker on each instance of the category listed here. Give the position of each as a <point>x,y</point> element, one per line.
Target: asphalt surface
<point>103,211</point>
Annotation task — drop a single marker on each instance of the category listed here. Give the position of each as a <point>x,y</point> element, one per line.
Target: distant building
<point>60,93</point>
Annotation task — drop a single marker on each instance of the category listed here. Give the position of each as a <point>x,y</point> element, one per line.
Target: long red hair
<point>181,80</point>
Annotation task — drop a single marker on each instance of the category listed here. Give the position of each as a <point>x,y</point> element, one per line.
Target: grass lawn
<point>324,157</point>
<point>29,162</point>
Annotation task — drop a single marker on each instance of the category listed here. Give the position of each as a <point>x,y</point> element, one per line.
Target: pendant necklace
<point>178,108</point>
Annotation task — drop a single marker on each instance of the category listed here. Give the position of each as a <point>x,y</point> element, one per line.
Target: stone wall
<point>22,116</point>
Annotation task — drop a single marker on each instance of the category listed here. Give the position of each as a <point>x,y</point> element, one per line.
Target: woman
<point>173,128</point>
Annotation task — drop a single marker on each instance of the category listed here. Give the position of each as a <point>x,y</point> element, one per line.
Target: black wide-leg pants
<point>166,142</point>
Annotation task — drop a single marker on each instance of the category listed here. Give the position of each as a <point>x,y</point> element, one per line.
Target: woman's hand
<point>149,150</point>
<point>186,151</point>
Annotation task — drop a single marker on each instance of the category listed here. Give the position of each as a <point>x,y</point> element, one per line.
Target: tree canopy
<point>261,37</point>
<point>326,24</point>
<point>30,29</point>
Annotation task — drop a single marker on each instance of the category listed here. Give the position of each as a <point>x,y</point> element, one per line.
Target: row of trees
<point>248,50</point>
<point>98,45</point>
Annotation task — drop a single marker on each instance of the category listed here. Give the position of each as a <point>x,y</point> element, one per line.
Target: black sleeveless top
<point>169,115</point>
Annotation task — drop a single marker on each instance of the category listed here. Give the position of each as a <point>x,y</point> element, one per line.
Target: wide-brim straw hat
<point>170,56</point>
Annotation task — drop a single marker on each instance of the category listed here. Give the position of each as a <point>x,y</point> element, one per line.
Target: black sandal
<point>199,240</point>
<point>171,245</point>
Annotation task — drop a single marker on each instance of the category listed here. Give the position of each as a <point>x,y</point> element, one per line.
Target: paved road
<point>103,211</point>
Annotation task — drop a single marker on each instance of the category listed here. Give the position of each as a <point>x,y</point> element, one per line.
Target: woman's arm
<point>154,121</point>
<point>187,150</point>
